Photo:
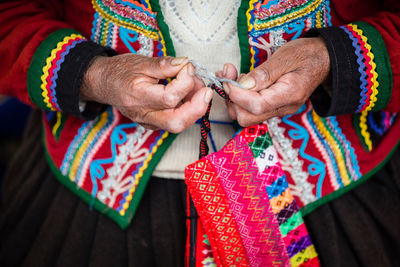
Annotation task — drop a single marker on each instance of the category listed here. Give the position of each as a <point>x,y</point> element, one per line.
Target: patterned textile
<point>321,158</point>
<point>245,204</point>
<point>107,161</point>
<point>59,43</point>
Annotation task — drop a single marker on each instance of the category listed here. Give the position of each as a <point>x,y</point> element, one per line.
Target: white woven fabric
<point>205,31</point>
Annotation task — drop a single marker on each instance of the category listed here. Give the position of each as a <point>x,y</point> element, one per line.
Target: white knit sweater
<point>205,31</point>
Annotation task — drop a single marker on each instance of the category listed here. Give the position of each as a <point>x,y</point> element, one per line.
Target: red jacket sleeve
<point>43,58</point>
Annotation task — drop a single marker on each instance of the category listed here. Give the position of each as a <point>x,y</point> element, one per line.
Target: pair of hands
<point>277,87</point>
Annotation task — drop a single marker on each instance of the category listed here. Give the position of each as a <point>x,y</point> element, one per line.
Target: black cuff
<point>70,77</point>
<point>345,90</point>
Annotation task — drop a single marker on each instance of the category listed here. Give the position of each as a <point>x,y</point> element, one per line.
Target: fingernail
<point>178,61</point>
<point>190,69</point>
<point>208,95</point>
<point>247,82</point>
<point>225,70</point>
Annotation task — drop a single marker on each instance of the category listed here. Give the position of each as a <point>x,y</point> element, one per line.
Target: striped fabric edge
<point>39,63</point>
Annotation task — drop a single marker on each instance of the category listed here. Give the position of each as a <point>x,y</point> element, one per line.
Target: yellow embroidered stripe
<point>46,68</point>
<point>318,144</point>
<point>291,16</point>
<point>58,123</point>
<point>318,20</point>
<point>105,33</point>
<point>164,49</point>
<point>125,24</point>
<point>341,163</point>
<point>364,129</point>
<point>252,6</point>
<point>374,78</point>
<point>140,173</point>
<point>302,256</point>
<point>82,149</point>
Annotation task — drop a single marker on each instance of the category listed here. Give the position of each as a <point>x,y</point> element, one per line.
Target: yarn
<point>203,72</point>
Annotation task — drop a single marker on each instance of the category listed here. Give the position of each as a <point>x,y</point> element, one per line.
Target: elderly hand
<point>130,84</point>
<point>281,85</point>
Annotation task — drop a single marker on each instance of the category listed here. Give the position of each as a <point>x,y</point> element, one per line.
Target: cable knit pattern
<point>205,31</point>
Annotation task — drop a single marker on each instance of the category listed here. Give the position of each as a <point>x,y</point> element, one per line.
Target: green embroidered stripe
<point>61,126</point>
<point>383,67</point>
<point>155,7</point>
<point>123,221</point>
<point>336,194</point>
<point>243,37</point>
<point>101,35</point>
<point>291,224</point>
<point>357,129</point>
<point>35,70</point>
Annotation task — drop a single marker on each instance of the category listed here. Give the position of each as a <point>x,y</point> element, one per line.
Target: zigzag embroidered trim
<point>104,32</point>
<point>53,65</point>
<point>129,14</point>
<point>367,67</point>
<point>289,17</point>
<point>272,14</point>
<point>117,185</point>
<point>85,145</point>
<point>342,157</point>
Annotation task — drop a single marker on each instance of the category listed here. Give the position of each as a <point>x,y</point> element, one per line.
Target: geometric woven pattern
<point>212,206</point>
<point>246,207</point>
<point>248,201</point>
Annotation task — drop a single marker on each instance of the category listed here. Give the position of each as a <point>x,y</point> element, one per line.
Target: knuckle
<point>175,125</point>
<point>256,108</point>
<point>299,96</point>
<point>262,73</point>
<point>242,120</point>
<point>125,101</point>
<point>171,100</point>
<point>163,62</point>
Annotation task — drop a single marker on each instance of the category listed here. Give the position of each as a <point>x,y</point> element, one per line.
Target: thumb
<point>264,75</point>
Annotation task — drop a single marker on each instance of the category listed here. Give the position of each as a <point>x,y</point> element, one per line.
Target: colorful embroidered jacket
<point>331,144</point>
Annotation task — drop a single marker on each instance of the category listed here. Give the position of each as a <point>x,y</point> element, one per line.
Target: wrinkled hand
<point>130,84</point>
<point>281,85</point>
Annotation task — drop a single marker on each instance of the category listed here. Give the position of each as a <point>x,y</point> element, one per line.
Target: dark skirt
<point>43,224</point>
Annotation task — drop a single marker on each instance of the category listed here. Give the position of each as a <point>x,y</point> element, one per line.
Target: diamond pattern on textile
<point>211,203</point>
<point>243,198</point>
<point>260,144</point>
<point>249,203</point>
<point>251,133</point>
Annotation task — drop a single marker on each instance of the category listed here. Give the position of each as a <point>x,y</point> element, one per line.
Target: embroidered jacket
<point>333,143</point>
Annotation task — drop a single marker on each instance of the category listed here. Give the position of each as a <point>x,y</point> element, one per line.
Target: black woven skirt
<point>43,224</point>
